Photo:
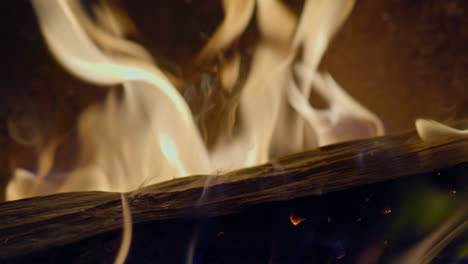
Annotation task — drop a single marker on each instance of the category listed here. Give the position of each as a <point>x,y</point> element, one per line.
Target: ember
<point>295,220</point>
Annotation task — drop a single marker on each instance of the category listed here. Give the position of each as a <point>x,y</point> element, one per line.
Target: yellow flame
<point>127,231</point>
<point>238,15</point>
<point>149,134</point>
<point>430,130</point>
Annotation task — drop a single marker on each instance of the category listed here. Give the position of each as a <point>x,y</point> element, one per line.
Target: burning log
<point>40,223</point>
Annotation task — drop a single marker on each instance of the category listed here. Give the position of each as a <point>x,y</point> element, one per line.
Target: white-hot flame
<point>148,134</point>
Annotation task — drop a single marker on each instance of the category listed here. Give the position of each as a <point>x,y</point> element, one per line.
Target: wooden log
<point>39,223</point>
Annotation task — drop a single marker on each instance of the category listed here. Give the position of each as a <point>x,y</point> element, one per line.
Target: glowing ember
<point>386,211</point>
<point>296,220</point>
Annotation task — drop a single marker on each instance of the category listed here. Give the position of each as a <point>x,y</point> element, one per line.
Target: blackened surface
<point>340,227</point>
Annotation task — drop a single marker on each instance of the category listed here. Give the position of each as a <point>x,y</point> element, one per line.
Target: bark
<point>41,223</point>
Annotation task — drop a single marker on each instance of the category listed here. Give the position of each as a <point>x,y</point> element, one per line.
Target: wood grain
<point>40,223</point>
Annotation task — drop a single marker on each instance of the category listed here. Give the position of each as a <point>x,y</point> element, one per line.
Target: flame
<point>238,15</point>
<point>149,134</point>
<point>127,231</point>
<point>429,130</point>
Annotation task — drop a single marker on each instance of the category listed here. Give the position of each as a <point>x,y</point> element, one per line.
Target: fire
<point>149,134</point>
<point>430,129</point>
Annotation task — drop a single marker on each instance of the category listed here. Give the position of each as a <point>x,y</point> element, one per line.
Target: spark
<point>386,211</point>
<point>296,220</point>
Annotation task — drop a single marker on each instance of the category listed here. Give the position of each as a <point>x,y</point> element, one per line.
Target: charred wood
<point>39,223</point>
